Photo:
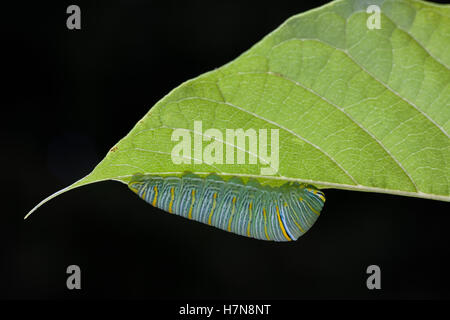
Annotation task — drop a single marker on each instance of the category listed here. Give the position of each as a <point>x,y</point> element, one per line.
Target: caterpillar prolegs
<point>268,213</point>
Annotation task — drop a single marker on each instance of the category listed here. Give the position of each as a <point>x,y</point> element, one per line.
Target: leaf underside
<point>356,109</point>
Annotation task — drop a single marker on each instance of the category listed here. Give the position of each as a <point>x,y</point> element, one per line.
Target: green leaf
<point>356,108</point>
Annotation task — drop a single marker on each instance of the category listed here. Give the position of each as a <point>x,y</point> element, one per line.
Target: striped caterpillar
<point>262,212</point>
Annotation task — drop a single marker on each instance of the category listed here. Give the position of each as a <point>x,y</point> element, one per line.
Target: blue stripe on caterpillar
<point>262,212</point>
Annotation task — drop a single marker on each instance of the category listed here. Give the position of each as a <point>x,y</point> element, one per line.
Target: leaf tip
<point>44,201</point>
<point>75,185</point>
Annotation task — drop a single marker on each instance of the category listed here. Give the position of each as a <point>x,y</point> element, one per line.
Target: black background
<point>69,96</point>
